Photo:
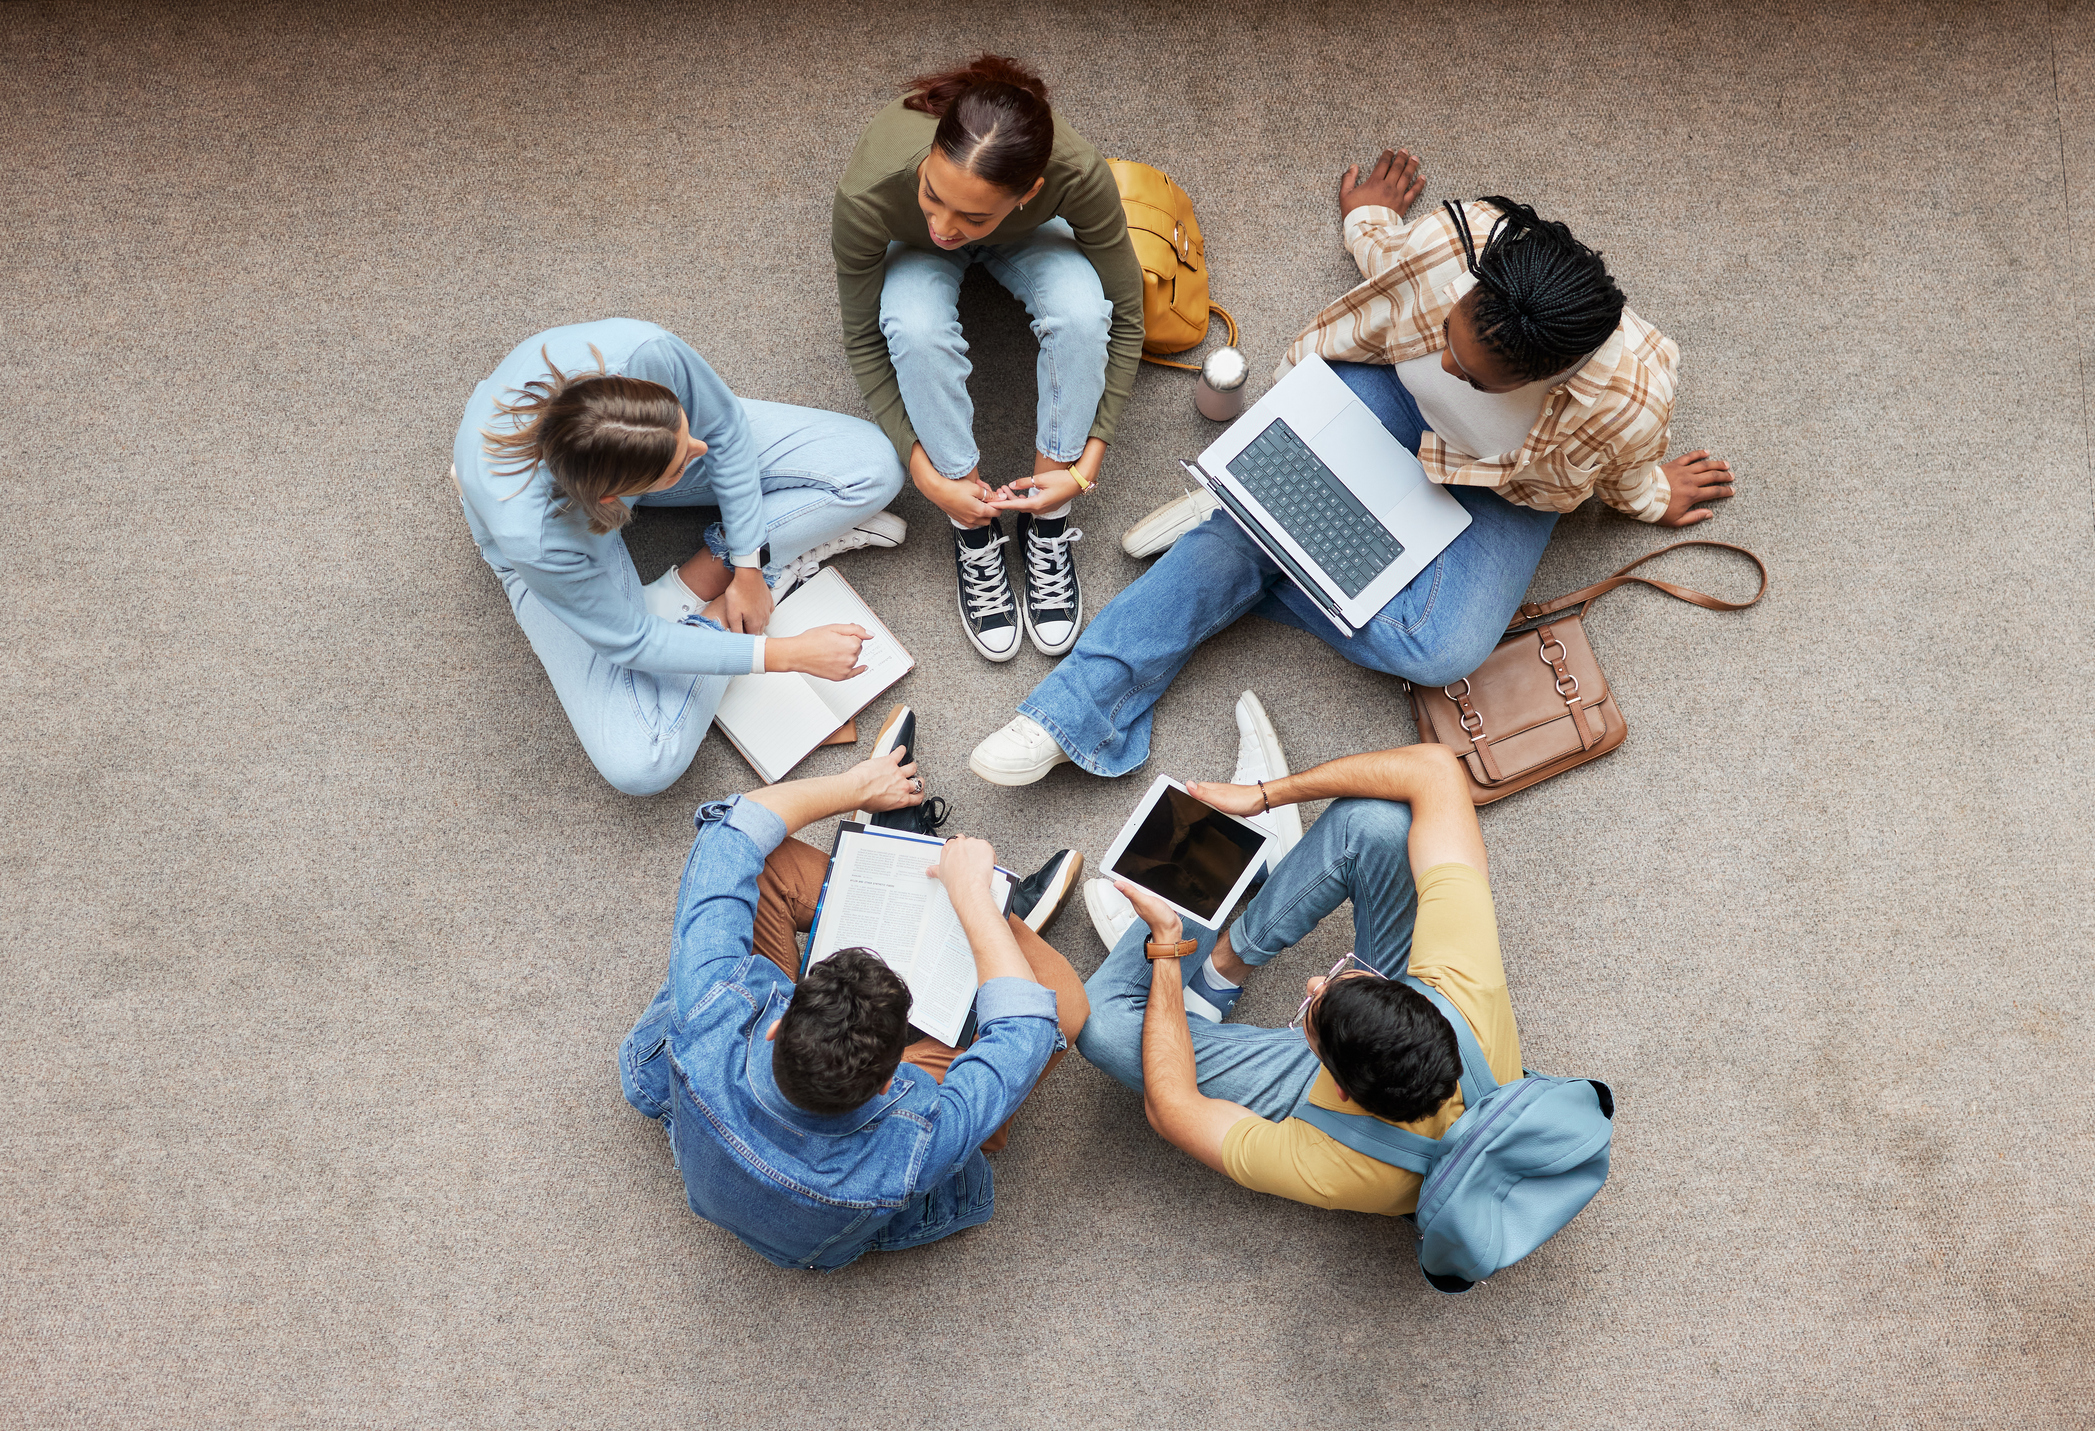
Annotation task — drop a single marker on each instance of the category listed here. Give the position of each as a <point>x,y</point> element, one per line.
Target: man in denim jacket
<point>879,1147</point>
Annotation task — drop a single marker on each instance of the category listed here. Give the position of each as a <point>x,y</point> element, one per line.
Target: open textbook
<point>776,719</point>
<point>878,897</point>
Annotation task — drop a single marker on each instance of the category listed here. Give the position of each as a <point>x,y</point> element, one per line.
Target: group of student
<point>804,1113</point>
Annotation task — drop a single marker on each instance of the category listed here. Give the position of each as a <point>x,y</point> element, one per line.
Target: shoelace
<point>1052,570</point>
<point>983,585</point>
<point>851,541</point>
<point>931,814</point>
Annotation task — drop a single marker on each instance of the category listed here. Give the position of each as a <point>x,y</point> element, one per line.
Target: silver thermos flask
<point>1220,394</point>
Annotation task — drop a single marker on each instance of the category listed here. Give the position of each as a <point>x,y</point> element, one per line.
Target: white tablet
<point>1188,854</point>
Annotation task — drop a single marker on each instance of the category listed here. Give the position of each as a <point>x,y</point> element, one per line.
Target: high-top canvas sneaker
<point>1054,599</point>
<point>987,612</point>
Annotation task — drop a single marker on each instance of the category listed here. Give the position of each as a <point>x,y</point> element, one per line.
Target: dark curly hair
<point>1544,300</point>
<point>1387,1046</point>
<point>842,1036</point>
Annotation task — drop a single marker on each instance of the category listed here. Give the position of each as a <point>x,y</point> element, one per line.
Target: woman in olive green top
<point>970,167</point>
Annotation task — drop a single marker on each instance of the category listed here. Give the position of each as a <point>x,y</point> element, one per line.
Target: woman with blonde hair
<point>577,427</point>
<point>972,166</point>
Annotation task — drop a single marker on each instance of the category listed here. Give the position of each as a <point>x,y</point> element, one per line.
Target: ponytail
<point>597,436</point>
<point>993,119</point>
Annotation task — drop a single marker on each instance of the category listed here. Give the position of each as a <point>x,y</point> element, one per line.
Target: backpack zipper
<point>1453,1160</point>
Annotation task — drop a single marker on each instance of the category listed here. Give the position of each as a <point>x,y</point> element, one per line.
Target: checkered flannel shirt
<point>1602,430</point>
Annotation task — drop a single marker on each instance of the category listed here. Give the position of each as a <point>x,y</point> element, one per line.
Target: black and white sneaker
<point>1040,895</point>
<point>900,730</point>
<point>987,612</point>
<point>1054,599</point>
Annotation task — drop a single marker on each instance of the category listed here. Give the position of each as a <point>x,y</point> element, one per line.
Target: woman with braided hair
<point>1493,344</point>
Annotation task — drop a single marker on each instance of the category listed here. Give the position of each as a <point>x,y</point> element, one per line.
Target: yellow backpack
<point>1175,303</point>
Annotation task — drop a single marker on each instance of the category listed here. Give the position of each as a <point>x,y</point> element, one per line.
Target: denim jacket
<point>802,1189</point>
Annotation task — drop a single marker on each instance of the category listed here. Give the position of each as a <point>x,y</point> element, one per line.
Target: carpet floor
<point>319,930</point>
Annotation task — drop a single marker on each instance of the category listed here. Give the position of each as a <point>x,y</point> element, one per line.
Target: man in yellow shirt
<point>1402,842</point>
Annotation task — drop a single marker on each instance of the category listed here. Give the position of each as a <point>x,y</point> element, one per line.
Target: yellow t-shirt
<point>1455,948</point>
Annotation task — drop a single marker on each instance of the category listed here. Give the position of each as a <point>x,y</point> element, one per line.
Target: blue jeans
<point>920,318</point>
<point>1097,703</point>
<point>822,474</point>
<point>1359,850</point>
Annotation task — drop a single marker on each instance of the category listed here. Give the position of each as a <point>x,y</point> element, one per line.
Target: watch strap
<point>1180,950</point>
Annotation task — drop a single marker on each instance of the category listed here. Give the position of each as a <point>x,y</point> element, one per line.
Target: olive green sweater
<point>877,204</point>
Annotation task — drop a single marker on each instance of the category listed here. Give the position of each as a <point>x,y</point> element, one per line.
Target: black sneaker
<point>1054,599</point>
<point>987,612</point>
<point>900,730</point>
<point>1039,895</point>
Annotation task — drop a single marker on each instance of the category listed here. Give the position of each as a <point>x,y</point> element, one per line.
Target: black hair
<point>993,119</point>
<point>1387,1046</point>
<point>1544,299</point>
<point>843,1034</point>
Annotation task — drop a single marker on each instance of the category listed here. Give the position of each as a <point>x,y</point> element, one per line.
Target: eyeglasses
<point>1343,966</point>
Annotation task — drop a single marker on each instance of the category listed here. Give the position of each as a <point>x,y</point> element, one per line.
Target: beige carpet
<point>320,932</point>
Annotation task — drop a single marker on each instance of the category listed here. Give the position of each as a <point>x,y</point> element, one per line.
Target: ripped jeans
<point>1098,703</point>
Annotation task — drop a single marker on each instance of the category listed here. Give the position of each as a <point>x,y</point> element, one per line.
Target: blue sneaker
<point>1203,998</point>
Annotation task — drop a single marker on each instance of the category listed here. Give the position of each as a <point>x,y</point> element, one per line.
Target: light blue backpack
<point>1519,1163</point>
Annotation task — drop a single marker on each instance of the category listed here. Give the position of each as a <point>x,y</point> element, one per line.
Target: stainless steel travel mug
<point>1220,393</point>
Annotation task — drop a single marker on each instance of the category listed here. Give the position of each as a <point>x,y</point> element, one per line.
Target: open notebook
<point>777,718</point>
<point>876,896</point>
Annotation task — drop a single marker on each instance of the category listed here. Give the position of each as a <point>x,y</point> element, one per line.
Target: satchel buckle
<point>1567,683</point>
<point>1472,718</point>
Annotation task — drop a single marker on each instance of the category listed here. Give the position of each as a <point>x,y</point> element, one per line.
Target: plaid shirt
<point>1602,430</point>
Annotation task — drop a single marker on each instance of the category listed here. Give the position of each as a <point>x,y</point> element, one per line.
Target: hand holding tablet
<point>1195,858</point>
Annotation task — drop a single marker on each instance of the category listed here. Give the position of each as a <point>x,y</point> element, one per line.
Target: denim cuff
<point>1014,998</point>
<point>760,826</point>
<point>1243,946</point>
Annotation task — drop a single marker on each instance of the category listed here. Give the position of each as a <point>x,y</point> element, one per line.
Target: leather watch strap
<point>1180,950</point>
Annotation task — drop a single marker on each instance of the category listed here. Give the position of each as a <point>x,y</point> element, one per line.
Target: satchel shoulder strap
<point>1588,594</point>
<point>1228,321</point>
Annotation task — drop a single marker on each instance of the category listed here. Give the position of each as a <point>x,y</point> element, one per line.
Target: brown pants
<point>786,895</point>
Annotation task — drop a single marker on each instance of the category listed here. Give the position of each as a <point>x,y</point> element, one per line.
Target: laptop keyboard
<point>1318,510</point>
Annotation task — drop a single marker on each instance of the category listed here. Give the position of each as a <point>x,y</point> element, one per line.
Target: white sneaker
<point>882,529</point>
<point>1019,754</point>
<point>1259,758</point>
<point>667,597</point>
<point>1168,523</point>
<point>1110,912</point>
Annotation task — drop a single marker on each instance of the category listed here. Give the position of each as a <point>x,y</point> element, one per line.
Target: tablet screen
<point>1190,853</point>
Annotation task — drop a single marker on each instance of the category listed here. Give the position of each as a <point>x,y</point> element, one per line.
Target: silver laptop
<point>1315,478</point>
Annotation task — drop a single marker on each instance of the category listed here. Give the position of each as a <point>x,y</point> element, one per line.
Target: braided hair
<point>1544,300</point>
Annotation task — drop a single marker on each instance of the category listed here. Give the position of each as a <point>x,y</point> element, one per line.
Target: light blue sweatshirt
<point>521,524</point>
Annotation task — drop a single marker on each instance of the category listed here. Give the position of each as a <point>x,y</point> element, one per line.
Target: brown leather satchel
<point>1540,704</point>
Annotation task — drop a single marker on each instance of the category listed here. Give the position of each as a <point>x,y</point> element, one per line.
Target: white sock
<point>959,525</point>
<point>1061,511</point>
<point>1215,979</point>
